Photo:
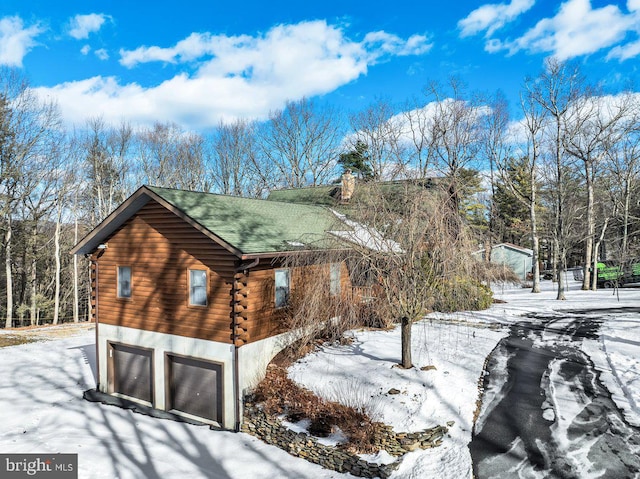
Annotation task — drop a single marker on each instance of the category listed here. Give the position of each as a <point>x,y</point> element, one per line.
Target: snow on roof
<point>365,236</point>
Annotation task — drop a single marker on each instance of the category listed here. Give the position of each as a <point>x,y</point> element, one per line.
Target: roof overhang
<point>281,254</point>
<point>130,207</point>
<point>111,223</point>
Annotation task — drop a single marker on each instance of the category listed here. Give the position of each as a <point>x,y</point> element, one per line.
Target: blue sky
<point>199,62</point>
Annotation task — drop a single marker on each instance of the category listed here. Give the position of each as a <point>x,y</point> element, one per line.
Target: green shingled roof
<point>256,226</point>
<point>327,195</point>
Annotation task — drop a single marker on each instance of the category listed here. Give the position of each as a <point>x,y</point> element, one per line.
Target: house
<point>188,292</point>
<point>519,259</point>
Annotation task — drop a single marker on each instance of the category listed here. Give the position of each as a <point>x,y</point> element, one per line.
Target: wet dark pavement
<point>550,416</point>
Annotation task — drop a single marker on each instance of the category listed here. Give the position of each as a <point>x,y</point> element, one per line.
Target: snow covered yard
<point>43,410</point>
<point>427,397</point>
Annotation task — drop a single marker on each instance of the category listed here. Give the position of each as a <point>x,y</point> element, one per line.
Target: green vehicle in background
<point>610,274</point>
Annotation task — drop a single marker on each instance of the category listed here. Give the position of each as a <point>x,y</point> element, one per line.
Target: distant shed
<point>517,258</point>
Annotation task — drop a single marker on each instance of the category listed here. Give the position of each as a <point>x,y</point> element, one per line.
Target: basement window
<point>124,282</point>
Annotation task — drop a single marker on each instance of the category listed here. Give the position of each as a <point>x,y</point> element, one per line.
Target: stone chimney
<point>348,185</point>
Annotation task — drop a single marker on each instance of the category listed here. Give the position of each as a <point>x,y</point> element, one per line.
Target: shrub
<point>462,294</point>
<point>494,273</point>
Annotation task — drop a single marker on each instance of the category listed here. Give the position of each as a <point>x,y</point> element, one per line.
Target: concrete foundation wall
<point>253,360</point>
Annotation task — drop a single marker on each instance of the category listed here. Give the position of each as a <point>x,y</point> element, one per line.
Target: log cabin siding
<point>261,284</point>
<point>263,318</point>
<point>160,247</point>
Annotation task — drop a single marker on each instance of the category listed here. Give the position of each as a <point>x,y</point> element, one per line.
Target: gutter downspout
<point>236,366</point>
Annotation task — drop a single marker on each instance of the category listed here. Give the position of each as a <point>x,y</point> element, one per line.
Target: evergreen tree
<point>469,189</point>
<point>513,224</point>
<point>357,160</point>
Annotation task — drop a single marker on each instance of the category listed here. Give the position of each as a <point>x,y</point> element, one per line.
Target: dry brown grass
<point>494,273</point>
<point>279,395</point>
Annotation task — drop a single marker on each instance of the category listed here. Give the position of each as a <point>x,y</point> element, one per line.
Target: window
<point>197,287</point>
<point>334,279</point>
<point>282,287</point>
<point>124,281</point>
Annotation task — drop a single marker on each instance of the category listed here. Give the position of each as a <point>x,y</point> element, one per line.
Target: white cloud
<point>322,40</point>
<point>16,40</point>
<point>194,46</point>
<point>236,77</point>
<point>102,54</point>
<point>492,17</point>
<point>625,52</point>
<point>85,50</point>
<point>81,26</point>
<point>631,49</point>
<point>577,29</point>
<point>381,43</point>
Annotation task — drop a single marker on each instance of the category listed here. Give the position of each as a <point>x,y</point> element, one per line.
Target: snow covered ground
<point>42,410</point>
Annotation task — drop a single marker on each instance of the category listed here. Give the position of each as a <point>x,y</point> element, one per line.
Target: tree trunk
<point>535,264</point>
<point>405,329</point>
<point>561,276</point>
<point>625,226</point>
<point>56,306</point>
<point>535,242</point>
<point>76,278</point>
<point>34,275</point>
<point>588,248</point>
<point>594,261</point>
<point>8,272</point>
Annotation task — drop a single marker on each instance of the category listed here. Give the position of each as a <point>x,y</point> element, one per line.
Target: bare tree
<point>526,189</point>
<point>597,124</point>
<point>496,148</point>
<point>38,202</point>
<point>382,132</point>
<point>65,193</point>
<point>418,128</point>
<point>107,163</point>
<point>556,90</point>
<point>300,142</point>
<point>234,168</point>
<point>28,129</point>
<point>456,133</point>
<point>406,249</point>
<point>172,158</point>
<point>623,163</point>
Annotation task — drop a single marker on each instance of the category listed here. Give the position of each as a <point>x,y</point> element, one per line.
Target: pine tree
<point>357,160</point>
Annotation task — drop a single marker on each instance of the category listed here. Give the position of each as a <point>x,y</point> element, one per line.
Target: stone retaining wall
<point>271,431</point>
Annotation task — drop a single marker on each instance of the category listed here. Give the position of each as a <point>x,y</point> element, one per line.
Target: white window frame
<point>122,293</point>
<point>192,287</point>
<point>280,285</point>
<point>335,270</point>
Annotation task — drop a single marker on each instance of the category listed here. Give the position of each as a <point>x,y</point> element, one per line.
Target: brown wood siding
<point>263,319</point>
<point>161,248</point>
